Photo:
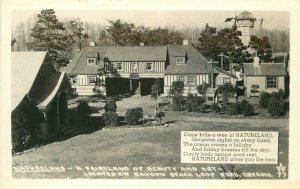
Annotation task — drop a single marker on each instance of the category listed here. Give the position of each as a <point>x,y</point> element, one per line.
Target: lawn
<point>144,147</point>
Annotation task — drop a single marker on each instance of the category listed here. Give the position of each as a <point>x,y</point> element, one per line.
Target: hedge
<point>110,105</point>
<point>264,99</point>
<point>110,119</point>
<point>233,109</point>
<point>133,115</point>
<point>246,108</point>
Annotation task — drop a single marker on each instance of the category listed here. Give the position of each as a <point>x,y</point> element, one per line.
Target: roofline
<point>49,99</point>
<point>265,75</point>
<point>187,73</point>
<point>266,63</point>
<point>78,59</point>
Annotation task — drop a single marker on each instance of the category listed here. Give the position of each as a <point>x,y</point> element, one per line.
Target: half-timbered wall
<point>135,67</point>
<point>199,79</point>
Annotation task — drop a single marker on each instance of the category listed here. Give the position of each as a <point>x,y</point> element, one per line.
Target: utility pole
<point>221,55</point>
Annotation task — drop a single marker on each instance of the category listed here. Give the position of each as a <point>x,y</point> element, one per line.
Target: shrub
<point>246,108</point>
<point>264,99</point>
<point>189,102</point>
<point>132,115</point>
<point>177,102</point>
<point>202,108</point>
<point>110,119</point>
<point>177,87</point>
<point>276,106</point>
<point>110,105</point>
<point>192,104</point>
<point>233,109</point>
<point>83,108</point>
<point>227,90</point>
<point>215,108</point>
<point>160,115</point>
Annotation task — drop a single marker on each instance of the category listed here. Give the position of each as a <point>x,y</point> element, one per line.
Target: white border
<point>6,181</point>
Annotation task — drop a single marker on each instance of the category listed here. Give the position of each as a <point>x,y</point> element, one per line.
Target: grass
<point>158,146</point>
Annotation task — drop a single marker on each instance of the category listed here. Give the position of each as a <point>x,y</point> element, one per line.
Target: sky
<point>179,19</point>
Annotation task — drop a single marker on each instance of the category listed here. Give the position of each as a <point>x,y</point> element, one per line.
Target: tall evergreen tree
<point>48,35</point>
<point>213,43</point>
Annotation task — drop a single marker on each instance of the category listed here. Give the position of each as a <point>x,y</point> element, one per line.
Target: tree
<point>48,35</point>
<point>226,41</point>
<point>176,88</point>
<point>120,32</point>
<point>263,48</point>
<point>156,90</point>
<point>202,89</point>
<point>160,115</point>
<point>76,27</point>
<point>226,91</point>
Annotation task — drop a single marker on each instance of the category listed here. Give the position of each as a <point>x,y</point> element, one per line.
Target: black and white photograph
<point>135,94</point>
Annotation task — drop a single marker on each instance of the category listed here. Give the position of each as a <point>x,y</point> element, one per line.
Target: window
<point>226,80</point>
<point>271,82</point>
<point>91,61</point>
<point>191,80</point>
<point>180,60</point>
<point>134,65</point>
<point>119,66</point>
<point>92,79</point>
<point>149,66</point>
<point>210,98</point>
<point>180,78</point>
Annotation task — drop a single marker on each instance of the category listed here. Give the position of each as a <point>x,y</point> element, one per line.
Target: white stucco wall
<point>261,82</point>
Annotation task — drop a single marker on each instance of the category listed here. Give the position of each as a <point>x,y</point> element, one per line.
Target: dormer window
<point>91,61</point>
<point>119,66</point>
<point>180,60</point>
<point>149,66</point>
<point>134,66</point>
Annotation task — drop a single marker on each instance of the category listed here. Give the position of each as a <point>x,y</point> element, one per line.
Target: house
<point>260,77</point>
<point>39,106</point>
<point>223,77</point>
<point>124,69</point>
<point>186,64</point>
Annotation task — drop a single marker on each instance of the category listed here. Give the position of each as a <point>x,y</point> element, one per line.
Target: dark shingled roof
<point>127,53</point>
<point>264,69</point>
<point>195,61</point>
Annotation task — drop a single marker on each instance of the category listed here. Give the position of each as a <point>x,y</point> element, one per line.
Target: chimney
<point>141,44</point>
<point>256,60</point>
<point>92,44</point>
<point>185,42</point>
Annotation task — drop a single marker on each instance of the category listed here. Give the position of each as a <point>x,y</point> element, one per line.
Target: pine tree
<point>48,35</point>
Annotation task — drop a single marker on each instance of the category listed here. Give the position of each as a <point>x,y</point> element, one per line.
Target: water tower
<point>245,24</point>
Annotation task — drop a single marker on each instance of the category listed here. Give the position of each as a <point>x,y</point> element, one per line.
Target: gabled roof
<point>264,69</point>
<point>137,53</point>
<point>121,53</point>
<point>195,61</point>
<point>220,70</point>
<point>34,77</point>
<point>24,69</point>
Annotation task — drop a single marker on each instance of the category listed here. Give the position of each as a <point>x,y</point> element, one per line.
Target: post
<point>130,85</point>
<point>57,112</point>
<point>140,87</point>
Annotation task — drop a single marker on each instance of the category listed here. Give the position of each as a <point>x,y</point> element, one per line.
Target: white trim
<point>48,100</point>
